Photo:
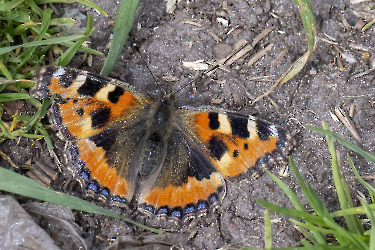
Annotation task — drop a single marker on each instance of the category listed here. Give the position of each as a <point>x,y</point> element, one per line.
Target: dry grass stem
<point>348,123</point>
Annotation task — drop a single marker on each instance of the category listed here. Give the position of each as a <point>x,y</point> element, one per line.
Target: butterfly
<point>166,160</point>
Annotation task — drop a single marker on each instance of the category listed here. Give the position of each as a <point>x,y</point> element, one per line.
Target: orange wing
<point>88,115</point>
<point>204,147</point>
<point>238,144</point>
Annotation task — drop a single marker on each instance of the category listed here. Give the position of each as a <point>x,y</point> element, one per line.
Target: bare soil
<point>192,32</point>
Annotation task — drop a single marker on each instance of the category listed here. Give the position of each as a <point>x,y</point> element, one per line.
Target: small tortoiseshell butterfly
<point>163,159</point>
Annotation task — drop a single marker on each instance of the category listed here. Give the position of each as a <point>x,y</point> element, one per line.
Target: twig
<point>5,157</point>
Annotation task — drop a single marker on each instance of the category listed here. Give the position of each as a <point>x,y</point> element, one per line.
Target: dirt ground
<point>196,31</point>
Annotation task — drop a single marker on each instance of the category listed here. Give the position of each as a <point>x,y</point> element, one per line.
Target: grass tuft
<point>320,224</point>
<point>27,36</point>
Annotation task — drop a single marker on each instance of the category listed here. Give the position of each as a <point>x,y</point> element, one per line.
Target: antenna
<point>190,83</point>
<point>144,61</point>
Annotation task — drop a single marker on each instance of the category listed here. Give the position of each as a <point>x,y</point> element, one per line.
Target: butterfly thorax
<point>154,143</point>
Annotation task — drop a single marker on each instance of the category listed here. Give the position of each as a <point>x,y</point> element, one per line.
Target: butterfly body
<point>166,160</point>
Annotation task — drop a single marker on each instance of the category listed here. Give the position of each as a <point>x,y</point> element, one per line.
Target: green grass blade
<point>291,212</point>
<point>354,210</point>
<point>85,2</point>
<point>289,193</point>
<point>359,178</point>
<point>35,8</point>
<point>310,226</point>
<point>37,116</point>
<point>370,216</point>
<point>45,134</point>
<point>9,38</point>
<point>39,2</point>
<point>42,111</point>
<point>308,20</point>
<point>339,184</point>
<point>68,55</point>
<point>372,197</point>
<point>93,5</point>
<point>346,190</point>
<point>43,42</point>
<point>21,117</point>
<point>62,21</point>
<point>353,222</point>
<point>5,131</point>
<point>309,236</point>
<point>11,17</point>
<point>294,199</point>
<point>83,49</point>
<point>307,244</point>
<point>4,70</point>
<point>357,226</point>
<point>321,210</point>
<point>31,136</point>
<point>45,105</point>
<point>344,236</point>
<point>123,24</point>
<point>36,103</point>
<point>314,201</point>
<point>18,184</point>
<point>350,146</point>
<point>45,24</point>
<point>4,83</point>
<point>23,16</point>
<point>303,186</point>
<point>21,29</point>
<point>267,230</point>
<point>9,5</point>
<point>7,97</point>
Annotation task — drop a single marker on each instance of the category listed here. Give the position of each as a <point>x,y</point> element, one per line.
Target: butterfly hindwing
<point>236,143</point>
<point>187,183</point>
